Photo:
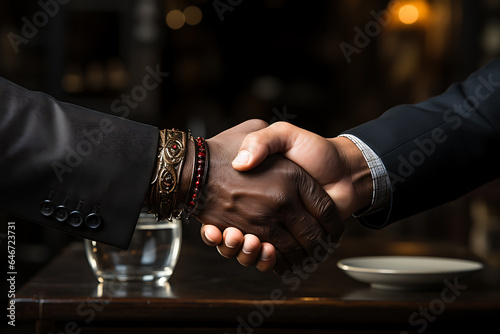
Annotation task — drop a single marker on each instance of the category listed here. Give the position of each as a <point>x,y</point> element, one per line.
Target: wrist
<point>357,176</point>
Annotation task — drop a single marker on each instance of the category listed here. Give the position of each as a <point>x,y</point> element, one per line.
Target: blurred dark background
<point>322,65</point>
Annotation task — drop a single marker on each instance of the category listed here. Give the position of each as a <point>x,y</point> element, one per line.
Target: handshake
<point>280,194</point>
<point>275,196</point>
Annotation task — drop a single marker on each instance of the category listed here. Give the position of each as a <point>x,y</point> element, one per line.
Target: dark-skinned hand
<point>278,202</point>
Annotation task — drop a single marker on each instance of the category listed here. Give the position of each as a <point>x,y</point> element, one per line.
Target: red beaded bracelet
<point>199,176</point>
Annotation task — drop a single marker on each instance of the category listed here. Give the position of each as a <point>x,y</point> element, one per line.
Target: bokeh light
<point>175,19</point>
<point>408,14</point>
<point>193,15</point>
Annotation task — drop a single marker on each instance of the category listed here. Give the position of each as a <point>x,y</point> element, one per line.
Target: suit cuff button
<point>47,208</point>
<point>75,219</point>
<point>61,213</point>
<point>93,220</point>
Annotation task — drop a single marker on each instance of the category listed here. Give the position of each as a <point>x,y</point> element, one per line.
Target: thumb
<point>279,137</point>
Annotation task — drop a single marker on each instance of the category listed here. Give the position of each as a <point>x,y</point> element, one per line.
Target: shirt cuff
<point>381,195</point>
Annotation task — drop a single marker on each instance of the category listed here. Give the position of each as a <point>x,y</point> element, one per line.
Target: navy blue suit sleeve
<point>82,159</point>
<point>440,149</point>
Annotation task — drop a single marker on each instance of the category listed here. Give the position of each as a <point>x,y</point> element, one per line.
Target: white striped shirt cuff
<point>381,195</point>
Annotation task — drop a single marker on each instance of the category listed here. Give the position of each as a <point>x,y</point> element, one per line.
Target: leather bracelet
<point>183,205</point>
<point>166,180</point>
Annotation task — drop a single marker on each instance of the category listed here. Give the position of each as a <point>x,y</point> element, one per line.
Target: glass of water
<point>152,255</point>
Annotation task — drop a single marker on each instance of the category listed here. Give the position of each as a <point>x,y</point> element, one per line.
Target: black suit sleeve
<point>82,159</point>
<point>440,149</point>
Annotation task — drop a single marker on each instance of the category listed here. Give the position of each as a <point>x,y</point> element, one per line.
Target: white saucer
<point>407,272</point>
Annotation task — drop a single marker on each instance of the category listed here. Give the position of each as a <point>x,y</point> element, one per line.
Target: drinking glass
<point>152,255</point>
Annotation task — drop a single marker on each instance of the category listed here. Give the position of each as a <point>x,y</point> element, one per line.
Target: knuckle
<point>256,124</point>
<point>283,200</point>
<point>300,178</point>
<point>314,237</point>
<point>254,138</point>
<point>282,126</point>
<point>327,208</point>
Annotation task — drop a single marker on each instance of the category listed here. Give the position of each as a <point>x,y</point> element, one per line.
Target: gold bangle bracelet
<point>166,180</point>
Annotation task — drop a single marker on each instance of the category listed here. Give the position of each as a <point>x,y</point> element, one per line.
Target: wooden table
<point>209,294</point>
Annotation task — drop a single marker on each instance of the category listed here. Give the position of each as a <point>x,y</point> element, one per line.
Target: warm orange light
<point>193,15</point>
<point>408,14</point>
<point>175,19</point>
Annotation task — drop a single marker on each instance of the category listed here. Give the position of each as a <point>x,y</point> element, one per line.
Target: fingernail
<point>265,255</point>
<point>242,159</point>
<point>246,251</point>
<point>208,238</point>
<point>231,243</point>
